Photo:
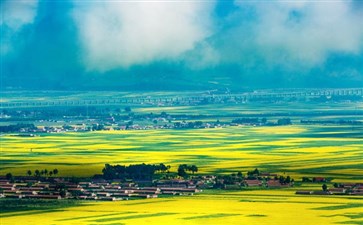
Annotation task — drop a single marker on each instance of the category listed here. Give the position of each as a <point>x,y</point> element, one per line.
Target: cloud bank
<point>14,16</point>
<point>308,31</point>
<point>292,34</point>
<point>135,43</point>
<point>122,34</point>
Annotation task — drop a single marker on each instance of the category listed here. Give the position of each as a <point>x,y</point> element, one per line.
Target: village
<point>61,188</point>
<point>148,122</point>
<point>115,189</point>
<point>31,120</point>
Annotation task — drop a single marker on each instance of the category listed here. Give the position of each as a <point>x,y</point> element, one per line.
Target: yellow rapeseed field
<point>291,150</point>
<point>296,150</point>
<point>269,207</point>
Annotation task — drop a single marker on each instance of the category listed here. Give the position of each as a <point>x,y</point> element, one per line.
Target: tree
<point>163,114</point>
<point>137,171</point>
<point>181,170</point>
<point>281,179</point>
<point>288,180</point>
<point>62,189</point>
<point>29,172</point>
<point>37,173</point>
<point>324,187</point>
<point>239,174</point>
<point>284,121</point>
<point>306,179</point>
<point>75,180</point>
<point>129,123</point>
<point>63,193</point>
<point>128,109</point>
<point>76,193</point>
<point>9,176</point>
<point>55,172</point>
<point>162,167</point>
<point>263,120</point>
<point>255,173</point>
<point>193,169</point>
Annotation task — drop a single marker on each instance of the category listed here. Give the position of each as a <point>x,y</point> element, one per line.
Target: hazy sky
<point>126,45</point>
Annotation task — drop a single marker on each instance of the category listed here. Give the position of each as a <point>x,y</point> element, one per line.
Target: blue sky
<point>180,45</point>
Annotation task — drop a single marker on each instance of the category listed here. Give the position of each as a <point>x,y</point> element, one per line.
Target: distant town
<point>29,118</point>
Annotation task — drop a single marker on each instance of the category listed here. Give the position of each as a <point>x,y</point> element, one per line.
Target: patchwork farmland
<point>330,151</point>
<point>333,151</point>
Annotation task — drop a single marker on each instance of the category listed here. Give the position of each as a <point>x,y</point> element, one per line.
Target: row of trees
<point>182,169</point>
<point>339,122</point>
<point>284,180</point>
<point>222,180</point>
<point>45,172</point>
<point>188,125</point>
<point>16,128</point>
<point>253,173</point>
<point>314,179</point>
<point>280,122</point>
<point>249,120</point>
<point>37,173</point>
<point>284,121</point>
<point>143,171</point>
<point>138,171</point>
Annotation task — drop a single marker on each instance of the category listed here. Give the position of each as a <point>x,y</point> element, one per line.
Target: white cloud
<point>15,15</point>
<point>18,13</point>
<point>121,34</point>
<point>202,56</point>
<point>305,31</point>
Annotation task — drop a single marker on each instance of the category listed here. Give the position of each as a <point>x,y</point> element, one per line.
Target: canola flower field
<point>329,151</point>
<point>270,207</point>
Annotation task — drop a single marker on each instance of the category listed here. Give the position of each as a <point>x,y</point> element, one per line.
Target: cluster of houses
<point>337,189</point>
<point>268,183</point>
<point>59,188</point>
<point>262,180</point>
<point>141,122</point>
<point>35,131</point>
<point>99,189</point>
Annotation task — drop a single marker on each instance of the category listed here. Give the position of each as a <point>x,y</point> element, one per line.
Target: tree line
<point>37,173</point>
<point>182,169</point>
<point>136,171</point>
<point>44,172</point>
<point>143,171</point>
<point>16,128</point>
